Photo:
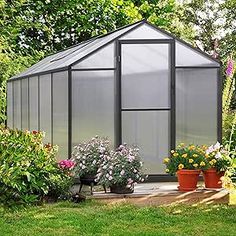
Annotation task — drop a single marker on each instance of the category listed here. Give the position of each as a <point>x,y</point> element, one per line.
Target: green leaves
<point>28,169</point>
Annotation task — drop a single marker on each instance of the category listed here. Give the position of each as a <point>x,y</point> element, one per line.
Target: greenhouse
<point>137,85</point>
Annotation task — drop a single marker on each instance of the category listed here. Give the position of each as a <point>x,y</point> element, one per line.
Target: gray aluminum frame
<point>117,92</point>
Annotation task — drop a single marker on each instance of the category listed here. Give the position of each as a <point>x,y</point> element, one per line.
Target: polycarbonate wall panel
<point>92,105</point>
<point>60,113</point>
<point>196,106</point>
<point>145,76</point>
<point>149,130</point>
<point>103,58</point>
<point>9,105</point>
<point>17,104</point>
<point>45,106</point>
<point>33,103</point>
<point>186,56</point>
<point>25,104</point>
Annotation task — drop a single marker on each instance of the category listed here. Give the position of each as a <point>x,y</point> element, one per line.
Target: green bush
<point>28,168</point>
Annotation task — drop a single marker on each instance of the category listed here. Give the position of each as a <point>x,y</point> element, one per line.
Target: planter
<point>212,178</point>
<point>122,189</point>
<point>88,179</point>
<point>187,179</point>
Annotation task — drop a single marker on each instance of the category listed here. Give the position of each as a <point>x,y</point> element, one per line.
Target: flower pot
<point>120,189</point>
<point>187,179</point>
<point>88,179</point>
<point>212,178</point>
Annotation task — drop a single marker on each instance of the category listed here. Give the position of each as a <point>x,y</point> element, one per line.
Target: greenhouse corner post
<point>69,112</point>
<point>173,97</point>
<point>219,107</point>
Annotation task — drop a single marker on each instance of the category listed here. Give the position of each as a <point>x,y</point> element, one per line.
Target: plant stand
<point>89,180</point>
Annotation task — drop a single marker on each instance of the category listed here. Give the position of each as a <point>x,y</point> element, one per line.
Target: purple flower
<point>230,67</point>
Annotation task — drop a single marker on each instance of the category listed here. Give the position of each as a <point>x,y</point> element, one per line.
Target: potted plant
<point>121,170</point>
<point>88,156</point>
<point>217,162</point>
<point>186,162</point>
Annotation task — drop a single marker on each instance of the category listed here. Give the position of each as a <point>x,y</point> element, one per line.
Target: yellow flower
<point>166,160</point>
<point>190,160</point>
<point>167,170</point>
<point>195,155</point>
<point>195,165</point>
<point>172,151</point>
<point>202,163</point>
<point>185,155</point>
<point>191,147</point>
<point>180,166</point>
<point>206,155</point>
<point>211,163</point>
<point>175,154</point>
<point>213,160</point>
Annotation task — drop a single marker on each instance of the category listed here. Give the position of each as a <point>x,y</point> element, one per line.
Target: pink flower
<point>66,164</point>
<point>230,67</point>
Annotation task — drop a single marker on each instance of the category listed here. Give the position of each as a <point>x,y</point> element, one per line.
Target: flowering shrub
<point>123,167</point>
<point>217,157</point>
<point>28,168</point>
<point>88,156</point>
<point>185,157</point>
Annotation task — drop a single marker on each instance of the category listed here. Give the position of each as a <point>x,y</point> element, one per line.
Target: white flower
<point>94,162</point>
<point>83,167</point>
<point>110,178</point>
<point>107,175</point>
<point>217,146</point>
<point>210,149</point>
<point>218,155</point>
<point>122,172</point>
<point>130,181</point>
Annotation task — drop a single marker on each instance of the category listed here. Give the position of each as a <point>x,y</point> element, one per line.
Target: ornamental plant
<point>123,167</point>
<point>28,168</point>
<point>217,157</point>
<point>189,157</point>
<point>89,155</point>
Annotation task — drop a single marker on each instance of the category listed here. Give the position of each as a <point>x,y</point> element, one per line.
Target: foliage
<point>28,169</point>
<point>3,103</point>
<point>189,157</point>
<point>123,167</point>
<point>217,157</point>
<point>89,155</point>
<point>229,180</point>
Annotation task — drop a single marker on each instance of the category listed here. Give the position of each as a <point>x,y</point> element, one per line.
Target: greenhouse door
<point>145,82</point>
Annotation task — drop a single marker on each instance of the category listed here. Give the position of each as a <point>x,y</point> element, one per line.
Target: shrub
<point>123,167</point>
<point>28,168</point>
<point>188,157</point>
<point>88,156</point>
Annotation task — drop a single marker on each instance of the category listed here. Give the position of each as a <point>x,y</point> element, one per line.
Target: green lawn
<point>93,218</point>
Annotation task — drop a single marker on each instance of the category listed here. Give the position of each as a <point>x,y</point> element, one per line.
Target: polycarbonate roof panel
<point>145,31</point>
<point>186,55</point>
<point>73,54</point>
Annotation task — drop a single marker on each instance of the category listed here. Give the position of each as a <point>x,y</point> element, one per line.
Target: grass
<point>93,218</point>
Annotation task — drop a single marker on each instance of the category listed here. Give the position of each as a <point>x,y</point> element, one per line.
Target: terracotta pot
<point>212,178</point>
<point>122,189</point>
<point>187,179</point>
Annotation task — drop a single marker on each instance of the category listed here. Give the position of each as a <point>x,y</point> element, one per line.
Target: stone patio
<point>161,194</point>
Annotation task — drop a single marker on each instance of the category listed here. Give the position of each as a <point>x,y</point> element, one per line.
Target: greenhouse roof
<point>70,56</point>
